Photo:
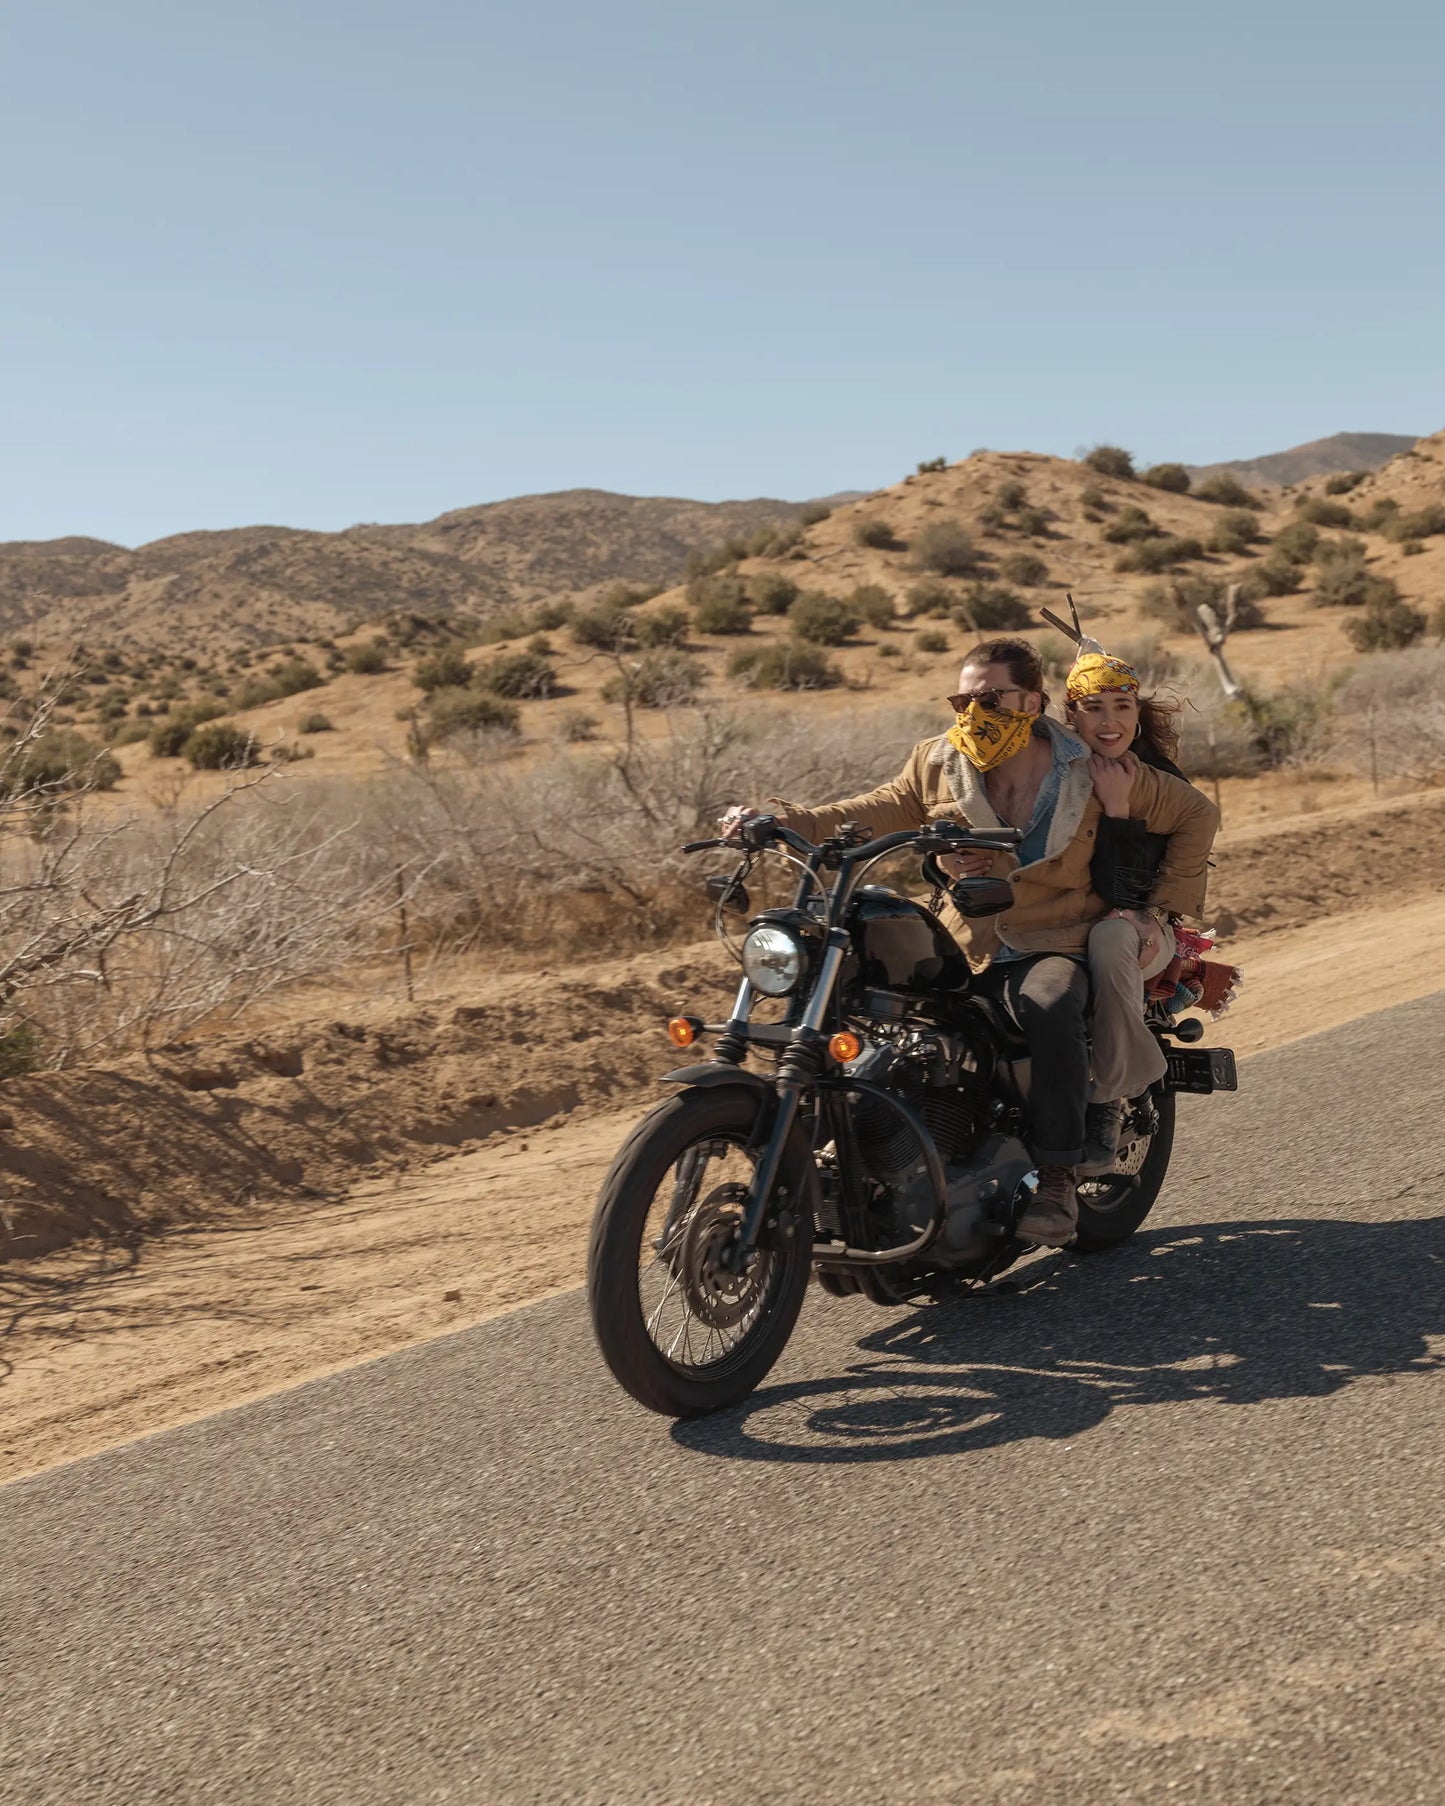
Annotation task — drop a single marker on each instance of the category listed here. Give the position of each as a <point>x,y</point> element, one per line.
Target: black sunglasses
<point>986,699</point>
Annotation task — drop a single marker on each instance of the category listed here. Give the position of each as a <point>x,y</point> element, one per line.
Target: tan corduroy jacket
<point>1055,904</point>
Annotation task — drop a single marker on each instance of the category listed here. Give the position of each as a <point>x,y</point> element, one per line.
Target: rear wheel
<point>684,1329</point>
<point>1112,1205</point>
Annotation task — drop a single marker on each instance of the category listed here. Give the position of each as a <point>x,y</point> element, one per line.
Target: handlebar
<point>938,837</point>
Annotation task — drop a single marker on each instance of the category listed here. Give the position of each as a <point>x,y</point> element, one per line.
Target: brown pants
<point>1125,1058</point>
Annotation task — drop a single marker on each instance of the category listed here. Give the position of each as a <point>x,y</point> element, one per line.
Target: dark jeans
<point>1047,995</point>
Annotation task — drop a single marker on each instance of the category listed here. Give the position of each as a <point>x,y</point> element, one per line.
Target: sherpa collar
<point>1075,784</point>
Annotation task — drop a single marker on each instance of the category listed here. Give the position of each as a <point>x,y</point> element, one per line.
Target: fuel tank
<point>900,946</point>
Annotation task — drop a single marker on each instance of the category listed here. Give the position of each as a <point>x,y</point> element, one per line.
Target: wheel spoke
<point>705,1310</point>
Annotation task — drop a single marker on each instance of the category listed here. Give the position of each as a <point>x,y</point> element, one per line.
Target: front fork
<point>798,1069</point>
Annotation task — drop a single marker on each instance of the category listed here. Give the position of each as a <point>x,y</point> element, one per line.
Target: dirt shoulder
<point>102,1346</point>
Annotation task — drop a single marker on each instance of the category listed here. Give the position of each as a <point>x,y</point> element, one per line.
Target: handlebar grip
<point>759,830</point>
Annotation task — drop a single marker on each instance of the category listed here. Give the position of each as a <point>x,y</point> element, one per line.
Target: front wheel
<point>1113,1205</point>
<point>683,1329</point>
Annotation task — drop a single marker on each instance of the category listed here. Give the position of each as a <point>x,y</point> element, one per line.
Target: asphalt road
<point>1167,1524</point>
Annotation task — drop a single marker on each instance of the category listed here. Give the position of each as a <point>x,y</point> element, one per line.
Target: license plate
<point>1201,1069</point>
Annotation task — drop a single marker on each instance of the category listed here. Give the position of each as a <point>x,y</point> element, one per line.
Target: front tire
<point>680,1331</point>
<point>1114,1205</point>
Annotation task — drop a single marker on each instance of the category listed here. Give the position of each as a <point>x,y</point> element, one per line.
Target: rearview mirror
<point>729,893</point>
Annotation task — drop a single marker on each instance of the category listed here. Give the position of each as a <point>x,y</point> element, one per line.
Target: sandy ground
<point>99,1348</point>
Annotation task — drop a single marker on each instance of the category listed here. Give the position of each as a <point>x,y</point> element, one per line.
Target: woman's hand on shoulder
<point>1113,781</point>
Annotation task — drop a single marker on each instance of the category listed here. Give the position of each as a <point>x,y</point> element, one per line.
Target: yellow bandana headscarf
<point>986,737</point>
<point>1094,672</point>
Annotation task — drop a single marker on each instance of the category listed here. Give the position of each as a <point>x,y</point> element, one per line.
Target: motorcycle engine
<point>947,1079</point>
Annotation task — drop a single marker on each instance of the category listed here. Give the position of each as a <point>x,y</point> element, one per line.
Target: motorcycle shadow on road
<point>1233,1313</point>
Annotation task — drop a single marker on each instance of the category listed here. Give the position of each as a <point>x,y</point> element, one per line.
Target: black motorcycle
<point>885,1149</point>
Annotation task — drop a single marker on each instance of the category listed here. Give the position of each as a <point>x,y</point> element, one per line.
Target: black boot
<point>1103,1124</point>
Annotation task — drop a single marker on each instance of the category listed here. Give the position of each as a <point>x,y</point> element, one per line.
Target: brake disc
<point>715,1295</point>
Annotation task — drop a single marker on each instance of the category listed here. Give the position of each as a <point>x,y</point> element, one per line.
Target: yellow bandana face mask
<point>986,737</point>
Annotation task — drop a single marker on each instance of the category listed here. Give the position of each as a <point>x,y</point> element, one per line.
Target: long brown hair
<point>1160,721</point>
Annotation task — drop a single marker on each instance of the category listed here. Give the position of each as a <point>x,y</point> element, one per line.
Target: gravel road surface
<point>1166,1524</point>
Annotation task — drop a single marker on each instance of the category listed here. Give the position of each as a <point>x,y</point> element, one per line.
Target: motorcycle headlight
<point>773,959</point>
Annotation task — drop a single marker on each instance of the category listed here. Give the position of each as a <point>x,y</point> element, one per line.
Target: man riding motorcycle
<point>1004,763</point>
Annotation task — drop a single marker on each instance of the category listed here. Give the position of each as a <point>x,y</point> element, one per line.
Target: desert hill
<point>861,609</point>
<point>1412,479</point>
<point>1319,458</point>
<point>250,587</point>
<point>256,585</point>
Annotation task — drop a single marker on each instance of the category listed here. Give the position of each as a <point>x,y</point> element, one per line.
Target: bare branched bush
<point>582,851</point>
<point>1389,718</point>
<point>122,930</point>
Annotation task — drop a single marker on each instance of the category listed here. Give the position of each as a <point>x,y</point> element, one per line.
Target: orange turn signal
<point>845,1046</point>
<point>681,1031</point>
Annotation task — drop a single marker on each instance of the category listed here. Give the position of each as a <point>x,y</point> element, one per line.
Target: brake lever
<point>701,846</point>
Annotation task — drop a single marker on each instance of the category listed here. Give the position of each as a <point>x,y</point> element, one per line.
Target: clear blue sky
<point>314,263</point>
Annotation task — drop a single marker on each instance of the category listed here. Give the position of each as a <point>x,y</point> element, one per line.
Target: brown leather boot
<point>1053,1216</point>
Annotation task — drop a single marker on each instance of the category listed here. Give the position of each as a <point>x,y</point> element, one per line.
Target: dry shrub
<point>583,850</point>
<point>1154,555</point>
<point>607,626</point>
<point>1133,523</point>
<point>873,604</point>
<point>665,626</point>
<point>719,605</point>
<point>1227,491</point>
<point>1388,624</point>
<point>1389,718</point>
<point>824,620</point>
<point>992,608</point>
<point>119,930</point>
<point>455,711</point>
<point>661,679</point>
<point>1236,530</point>
<point>945,548</point>
<point>222,746</point>
<point>1110,461</point>
<point>1025,568</point>
<point>1322,513</point>
<point>1345,581</point>
<point>446,669</point>
<point>520,675</point>
<point>773,594</point>
<point>367,658</point>
<point>784,665</point>
<point>931,597</point>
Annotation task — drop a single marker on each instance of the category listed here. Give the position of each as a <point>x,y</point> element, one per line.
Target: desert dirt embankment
<point>282,1204</point>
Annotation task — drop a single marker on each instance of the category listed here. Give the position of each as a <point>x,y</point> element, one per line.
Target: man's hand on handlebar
<point>755,828</point>
<point>967,865</point>
<point>731,823</point>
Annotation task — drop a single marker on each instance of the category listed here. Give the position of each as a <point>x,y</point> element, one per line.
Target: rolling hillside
<point>254,586</point>
<point>1320,458</point>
